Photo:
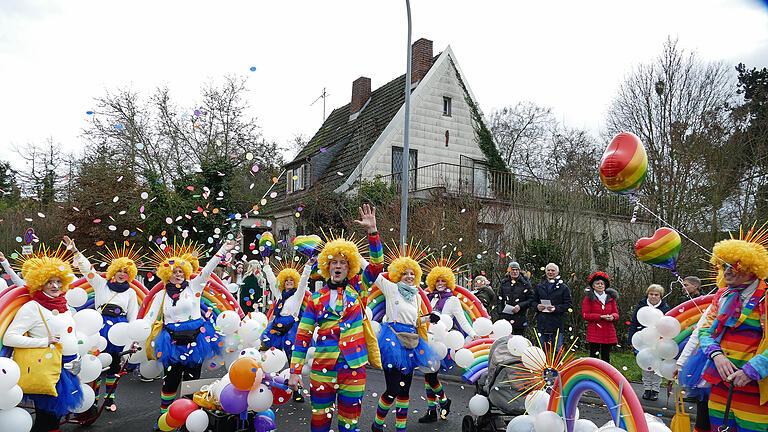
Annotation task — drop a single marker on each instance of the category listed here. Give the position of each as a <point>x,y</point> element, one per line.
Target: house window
<point>397,166</point>
<point>446,106</point>
<point>298,178</point>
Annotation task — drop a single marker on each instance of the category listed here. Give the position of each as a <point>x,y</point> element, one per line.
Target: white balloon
<point>260,318</point>
<point>521,423</point>
<point>233,287</point>
<point>118,334</point>
<point>667,349</point>
<point>447,321</point>
<point>227,322</point>
<point>250,352</point>
<point>76,297</point>
<point>250,331</point>
<point>375,326</point>
<point>483,326</point>
<point>648,316</point>
<point>11,397</point>
<point>650,336</point>
<point>272,361</point>
<point>548,421</point>
<point>219,385</point>
<point>658,427</point>
<point>9,373</point>
<point>638,342</point>
<point>478,405</point>
<point>518,344</point>
<point>99,341</point>
<point>151,369</point>
<point>90,368</point>
<point>83,344</point>
<point>197,421</point>
<point>440,349</point>
<point>502,328</point>
<point>88,321</point>
<point>584,425</point>
<point>464,358</point>
<point>454,340</point>
<point>647,359</point>
<point>667,369</point>
<point>668,327</point>
<point>536,402</point>
<point>611,429</point>
<point>139,330</point>
<point>16,419</point>
<point>260,398</point>
<point>438,330</point>
<point>650,418</point>
<point>533,358</point>
<point>88,398</point>
<point>105,359</point>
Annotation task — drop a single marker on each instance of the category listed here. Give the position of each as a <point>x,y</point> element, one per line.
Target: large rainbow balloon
<point>481,349</point>
<point>624,164</point>
<point>659,250</point>
<point>308,245</point>
<point>266,244</point>
<point>215,299</point>
<point>585,374</point>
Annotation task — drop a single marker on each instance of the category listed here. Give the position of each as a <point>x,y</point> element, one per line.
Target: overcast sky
<point>56,56</point>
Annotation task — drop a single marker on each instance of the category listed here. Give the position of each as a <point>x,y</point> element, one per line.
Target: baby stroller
<point>495,385</point>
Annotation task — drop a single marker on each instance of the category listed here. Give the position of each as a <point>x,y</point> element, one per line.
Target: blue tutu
<point>394,355</point>
<point>270,339</point>
<point>207,345</point>
<point>690,375</point>
<point>108,323</point>
<point>69,394</point>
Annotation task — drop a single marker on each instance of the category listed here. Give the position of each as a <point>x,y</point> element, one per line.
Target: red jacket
<point>598,329</point>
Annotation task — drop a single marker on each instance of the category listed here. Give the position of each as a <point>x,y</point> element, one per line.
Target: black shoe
<point>297,396</point>
<point>690,399</point>
<point>109,405</point>
<point>445,408</point>
<point>647,395</point>
<point>429,417</point>
<point>376,428</point>
<point>654,396</point>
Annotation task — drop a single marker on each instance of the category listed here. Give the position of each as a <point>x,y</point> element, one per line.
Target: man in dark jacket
<point>552,298</point>
<point>515,297</point>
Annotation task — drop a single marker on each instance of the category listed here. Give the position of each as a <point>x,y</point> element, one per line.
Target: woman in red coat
<point>600,311</point>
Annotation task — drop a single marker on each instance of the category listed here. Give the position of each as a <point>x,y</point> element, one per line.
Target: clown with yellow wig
<point>402,339</point>
<point>114,299</point>
<point>45,322</point>
<point>186,339</point>
<point>735,334</point>
<point>441,281</point>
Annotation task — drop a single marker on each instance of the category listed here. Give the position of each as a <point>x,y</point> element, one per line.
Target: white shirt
<point>27,329</point>
<point>187,307</point>
<point>452,308</point>
<point>693,340</point>
<point>19,282</point>
<point>102,295</point>
<point>603,297</point>
<point>292,306</point>
<point>398,308</point>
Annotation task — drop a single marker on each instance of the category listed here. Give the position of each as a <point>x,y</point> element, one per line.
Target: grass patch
<point>624,362</point>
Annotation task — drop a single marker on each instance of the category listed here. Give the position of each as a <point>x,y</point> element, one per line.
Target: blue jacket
<point>560,296</point>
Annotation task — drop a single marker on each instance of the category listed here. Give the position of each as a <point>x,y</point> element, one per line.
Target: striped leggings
<point>338,389</point>
<point>435,393</point>
<point>173,375</point>
<point>398,388</point>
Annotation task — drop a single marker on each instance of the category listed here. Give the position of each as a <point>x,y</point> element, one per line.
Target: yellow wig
<point>285,274</point>
<point>441,272</point>
<point>38,271</point>
<point>744,255</point>
<point>397,268</point>
<point>122,263</point>
<point>339,248</point>
<point>165,269</point>
<point>193,261</point>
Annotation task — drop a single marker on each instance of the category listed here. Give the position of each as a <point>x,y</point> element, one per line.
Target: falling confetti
<point>253,69</point>
<point>255,168</point>
<point>70,228</point>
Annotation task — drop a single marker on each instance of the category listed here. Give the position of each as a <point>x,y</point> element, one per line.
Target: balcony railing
<point>480,182</point>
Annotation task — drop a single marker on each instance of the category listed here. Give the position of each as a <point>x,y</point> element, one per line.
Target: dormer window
<point>446,106</point>
<point>298,178</point>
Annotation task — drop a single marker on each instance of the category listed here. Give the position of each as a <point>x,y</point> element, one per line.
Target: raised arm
<point>210,266</point>
<point>376,265</point>
<point>387,287</point>
<point>271,280</point>
<point>19,282</point>
<point>298,297</point>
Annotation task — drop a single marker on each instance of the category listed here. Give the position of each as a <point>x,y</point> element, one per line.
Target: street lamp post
<point>406,154</point>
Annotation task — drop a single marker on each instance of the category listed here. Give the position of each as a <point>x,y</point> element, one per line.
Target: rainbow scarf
<point>730,309</point>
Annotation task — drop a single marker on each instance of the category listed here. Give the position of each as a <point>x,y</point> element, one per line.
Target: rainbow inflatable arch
<point>141,291</point>
<point>481,349</point>
<point>215,299</point>
<point>688,314</point>
<point>585,374</point>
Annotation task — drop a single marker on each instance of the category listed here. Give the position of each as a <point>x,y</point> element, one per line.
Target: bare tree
<point>521,132</point>
<point>678,106</point>
<point>45,172</point>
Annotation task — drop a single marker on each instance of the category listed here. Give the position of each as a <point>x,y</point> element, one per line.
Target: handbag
<point>408,340</point>
<point>205,398</point>
<point>40,367</point>
<point>112,310</point>
<point>681,422</point>
<point>184,337</point>
<point>157,326</point>
<point>371,344</point>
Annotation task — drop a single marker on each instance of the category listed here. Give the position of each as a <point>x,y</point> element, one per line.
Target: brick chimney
<point>421,59</point>
<point>361,92</point>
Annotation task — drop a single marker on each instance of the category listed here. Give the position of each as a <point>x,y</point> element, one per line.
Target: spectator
<point>691,288</point>
<point>653,298</point>
<point>516,296</point>
<point>481,288</point>
<point>252,289</point>
<point>600,311</point>
<point>552,298</point>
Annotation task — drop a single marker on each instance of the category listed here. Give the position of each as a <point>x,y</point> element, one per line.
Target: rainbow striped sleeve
<point>304,336</point>
<point>706,341</point>
<point>376,261</point>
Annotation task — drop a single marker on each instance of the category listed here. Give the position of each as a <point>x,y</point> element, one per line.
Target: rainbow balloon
<point>624,164</point>
<point>10,302</point>
<point>660,250</point>
<point>308,245</point>
<point>481,349</point>
<point>376,302</point>
<point>585,374</point>
<point>266,244</point>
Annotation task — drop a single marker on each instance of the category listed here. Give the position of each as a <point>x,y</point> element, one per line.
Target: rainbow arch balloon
<point>624,164</point>
<point>593,374</point>
<point>376,302</point>
<point>688,314</point>
<point>481,349</point>
<point>138,287</point>
<point>659,250</point>
<point>10,302</point>
<point>215,299</point>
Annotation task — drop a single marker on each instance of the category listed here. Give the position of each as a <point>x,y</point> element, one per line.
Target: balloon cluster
<point>655,343</point>
<point>184,412</point>
<point>12,417</point>
<point>239,335</point>
<point>539,419</point>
